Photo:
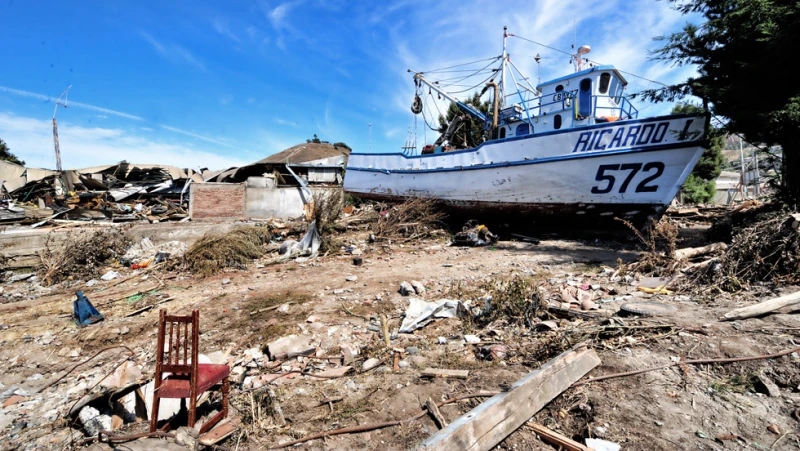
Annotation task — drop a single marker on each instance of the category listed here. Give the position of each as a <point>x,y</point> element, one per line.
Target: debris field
<point>378,330</point>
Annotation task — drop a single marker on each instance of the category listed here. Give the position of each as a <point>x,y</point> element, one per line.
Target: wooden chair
<point>187,378</point>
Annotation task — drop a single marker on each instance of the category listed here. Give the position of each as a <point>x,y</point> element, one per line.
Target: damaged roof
<point>305,152</point>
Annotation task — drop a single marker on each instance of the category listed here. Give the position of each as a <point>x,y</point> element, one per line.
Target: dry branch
<point>762,307</point>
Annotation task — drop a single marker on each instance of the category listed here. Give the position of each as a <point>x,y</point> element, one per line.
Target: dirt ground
<point>683,407</point>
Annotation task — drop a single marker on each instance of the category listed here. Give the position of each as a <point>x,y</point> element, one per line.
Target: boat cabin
<point>588,97</point>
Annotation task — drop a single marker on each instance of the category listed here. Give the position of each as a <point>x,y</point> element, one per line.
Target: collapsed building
<point>281,185</point>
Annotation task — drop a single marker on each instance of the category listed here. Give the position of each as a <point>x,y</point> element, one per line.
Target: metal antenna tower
<point>55,126</point>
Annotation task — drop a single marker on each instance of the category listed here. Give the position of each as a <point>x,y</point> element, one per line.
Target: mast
<point>503,73</point>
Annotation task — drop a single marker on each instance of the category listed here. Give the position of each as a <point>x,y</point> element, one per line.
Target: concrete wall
<point>257,198</point>
<point>217,201</point>
<point>265,203</point>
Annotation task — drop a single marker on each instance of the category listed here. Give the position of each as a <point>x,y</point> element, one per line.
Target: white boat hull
<point>628,169</point>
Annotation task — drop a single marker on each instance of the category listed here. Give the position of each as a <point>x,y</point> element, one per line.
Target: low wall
<point>217,201</point>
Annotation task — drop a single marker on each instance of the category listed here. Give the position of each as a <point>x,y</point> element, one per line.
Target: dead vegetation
<point>328,207</point>
<point>235,249</point>
<point>659,243</point>
<point>768,251</point>
<point>83,254</point>
<point>417,217</point>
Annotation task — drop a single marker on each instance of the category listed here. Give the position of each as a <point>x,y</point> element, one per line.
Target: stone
<point>768,386</point>
<point>226,281</point>
<point>94,422</point>
<point>419,288</point>
<point>442,340</point>
<point>338,291</point>
<point>15,399</point>
<point>47,338</point>
<point>418,361</point>
<point>312,319</point>
<point>472,339</point>
<point>351,278</point>
<point>370,364</point>
<point>356,251</point>
<point>290,343</point>
<point>602,445</point>
<point>412,350</point>
<point>20,277</point>
<point>186,436</point>
<point>406,289</point>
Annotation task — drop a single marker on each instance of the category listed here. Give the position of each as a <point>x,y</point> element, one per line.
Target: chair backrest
<point>177,348</point>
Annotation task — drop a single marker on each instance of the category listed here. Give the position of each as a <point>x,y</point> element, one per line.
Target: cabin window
<point>585,99</point>
<point>605,79</point>
<point>502,132</point>
<point>522,129</point>
<point>557,121</point>
<point>618,95</point>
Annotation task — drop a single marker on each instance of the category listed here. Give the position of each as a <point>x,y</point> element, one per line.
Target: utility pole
<point>55,126</point>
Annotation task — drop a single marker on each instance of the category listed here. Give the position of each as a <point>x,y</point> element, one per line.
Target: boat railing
<point>623,109</point>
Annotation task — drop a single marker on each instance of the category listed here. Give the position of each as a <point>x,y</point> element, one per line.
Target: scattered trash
<point>474,234</point>
<point>419,313</point>
<point>84,312</point>
<point>602,445</point>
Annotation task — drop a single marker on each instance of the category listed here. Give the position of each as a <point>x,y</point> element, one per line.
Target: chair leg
<point>225,390</point>
<point>154,411</point>
<point>192,411</point>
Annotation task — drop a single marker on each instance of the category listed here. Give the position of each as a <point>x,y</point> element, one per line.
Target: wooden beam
<point>441,423</point>
<point>436,372</point>
<point>762,307</point>
<point>482,428</point>
<point>554,438</point>
<point>689,252</point>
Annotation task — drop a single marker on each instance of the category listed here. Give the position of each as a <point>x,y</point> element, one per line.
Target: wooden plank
<point>762,307</point>
<point>554,438</point>
<point>218,434</point>
<point>441,423</point>
<point>437,372</point>
<point>690,252</point>
<point>492,421</point>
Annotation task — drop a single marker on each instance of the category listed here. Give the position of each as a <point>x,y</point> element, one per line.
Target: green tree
<point>314,139</point>
<point>6,155</point>
<point>341,144</point>
<point>700,187</point>
<point>742,53</point>
<point>470,133</point>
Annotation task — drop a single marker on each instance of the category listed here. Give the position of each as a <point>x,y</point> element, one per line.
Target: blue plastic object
<point>84,312</point>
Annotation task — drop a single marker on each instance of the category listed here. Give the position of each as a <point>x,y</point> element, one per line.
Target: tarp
<point>419,313</point>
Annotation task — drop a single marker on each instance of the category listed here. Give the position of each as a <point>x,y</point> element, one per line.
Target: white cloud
<point>285,122</point>
<point>217,141</point>
<point>70,104</point>
<point>221,27</point>
<point>173,52</point>
<point>92,146</point>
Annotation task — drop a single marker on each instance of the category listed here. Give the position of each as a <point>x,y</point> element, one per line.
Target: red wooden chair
<point>187,378</point>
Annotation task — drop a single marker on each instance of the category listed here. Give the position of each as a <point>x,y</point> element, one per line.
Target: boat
<point>569,152</point>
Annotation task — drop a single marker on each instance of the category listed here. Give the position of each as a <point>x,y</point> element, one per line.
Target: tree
<point>700,187</point>
<point>314,139</point>
<point>742,53</point>
<point>343,145</point>
<point>469,134</point>
<point>6,155</point>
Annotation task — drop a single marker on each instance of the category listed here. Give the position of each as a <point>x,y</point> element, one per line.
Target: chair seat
<point>208,375</point>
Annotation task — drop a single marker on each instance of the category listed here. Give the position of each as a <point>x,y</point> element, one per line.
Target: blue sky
<point>217,84</point>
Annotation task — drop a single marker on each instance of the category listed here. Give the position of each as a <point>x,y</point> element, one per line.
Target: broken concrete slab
<point>289,344</point>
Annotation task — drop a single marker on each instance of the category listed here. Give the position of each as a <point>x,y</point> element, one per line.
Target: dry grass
<point>234,249</point>
<point>416,217</point>
<point>659,243</point>
<point>83,254</point>
<point>766,251</point>
<point>328,207</point>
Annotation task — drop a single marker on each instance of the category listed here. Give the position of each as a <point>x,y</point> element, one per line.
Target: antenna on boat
<point>503,73</point>
<point>538,59</point>
<point>577,57</point>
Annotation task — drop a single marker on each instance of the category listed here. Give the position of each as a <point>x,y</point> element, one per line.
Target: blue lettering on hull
<point>624,136</point>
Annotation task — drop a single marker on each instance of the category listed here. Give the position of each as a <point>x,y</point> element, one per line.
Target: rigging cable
<point>460,65</point>
<point>591,61</point>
